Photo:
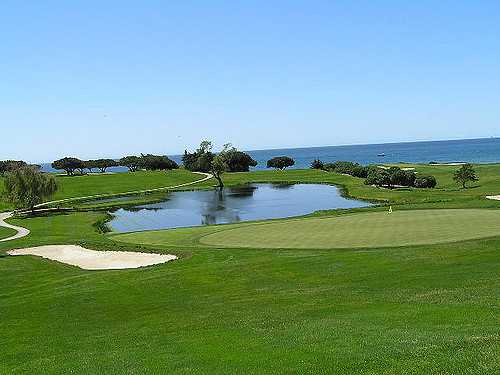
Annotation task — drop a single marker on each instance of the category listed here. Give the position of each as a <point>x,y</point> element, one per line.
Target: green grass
<point>6,232</point>
<point>417,310</point>
<point>94,184</point>
<point>426,309</point>
<point>361,230</point>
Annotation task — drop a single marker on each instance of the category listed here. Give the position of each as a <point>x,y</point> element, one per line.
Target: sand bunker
<point>493,197</point>
<point>95,260</point>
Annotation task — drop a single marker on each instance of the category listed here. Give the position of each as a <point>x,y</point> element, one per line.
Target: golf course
<point>352,291</point>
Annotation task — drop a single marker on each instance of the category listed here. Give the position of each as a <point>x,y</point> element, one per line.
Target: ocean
<point>484,150</point>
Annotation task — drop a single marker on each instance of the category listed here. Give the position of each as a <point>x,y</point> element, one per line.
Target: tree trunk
<point>219,180</point>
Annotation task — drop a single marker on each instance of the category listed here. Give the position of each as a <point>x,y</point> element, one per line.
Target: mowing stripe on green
<point>375,229</point>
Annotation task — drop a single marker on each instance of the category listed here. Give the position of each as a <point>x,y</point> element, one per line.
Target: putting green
<point>376,229</point>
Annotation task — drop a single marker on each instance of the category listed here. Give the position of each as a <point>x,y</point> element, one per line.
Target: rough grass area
<point>416,310</point>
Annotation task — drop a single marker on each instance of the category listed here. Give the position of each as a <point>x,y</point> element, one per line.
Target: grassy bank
<point>6,232</point>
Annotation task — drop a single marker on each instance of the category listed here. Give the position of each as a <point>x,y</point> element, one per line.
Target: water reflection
<point>231,205</point>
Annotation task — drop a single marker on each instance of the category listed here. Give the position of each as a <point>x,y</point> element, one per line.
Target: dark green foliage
<point>378,177</point>
<point>317,164</point>
<point>401,177</point>
<point>423,182</point>
<point>104,164</point>
<point>26,187</point>
<point>200,160</point>
<point>157,163</point>
<point>280,162</point>
<point>465,174</point>
<point>239,161</point>
<point>69,165</point>
<point>132,162</point>
<point>90,164</point>
<point>348,167</point>
<point>11,165</point>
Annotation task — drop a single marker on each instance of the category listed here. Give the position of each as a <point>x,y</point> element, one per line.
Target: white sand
<point>493,197</point>
<point>95,260</point>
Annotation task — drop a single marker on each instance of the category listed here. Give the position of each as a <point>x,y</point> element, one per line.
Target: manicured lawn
<point>412,310</point>
<point>6,232</point>
<point>374,229</point>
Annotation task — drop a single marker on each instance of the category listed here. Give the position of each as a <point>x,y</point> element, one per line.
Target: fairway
<point>376,229</point>
<point>6,232</point>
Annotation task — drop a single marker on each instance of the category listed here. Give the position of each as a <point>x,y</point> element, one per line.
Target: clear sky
<point>107,78</point>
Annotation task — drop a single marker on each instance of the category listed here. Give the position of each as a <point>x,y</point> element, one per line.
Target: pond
<point>231,205</point>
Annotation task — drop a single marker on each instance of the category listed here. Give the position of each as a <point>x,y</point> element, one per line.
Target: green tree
<point>465,174</point>
<point>280,162</point>
<point>104,164</point>
<point>200,160</point>
<point>26,187</point>
<point>239,161</point>
<point>131,162</point>
<point>157,163</point>
<point>69,165</point>
<point>317,164</point>
<point>219,164</point>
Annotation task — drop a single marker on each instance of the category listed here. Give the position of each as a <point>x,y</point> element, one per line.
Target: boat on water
<point>381,154</point>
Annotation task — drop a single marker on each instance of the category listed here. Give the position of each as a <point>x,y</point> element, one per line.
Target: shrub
<point>423,182</point>
<point>378,177</point>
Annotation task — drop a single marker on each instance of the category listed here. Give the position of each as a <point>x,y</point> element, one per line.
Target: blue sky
<point>107,78</point>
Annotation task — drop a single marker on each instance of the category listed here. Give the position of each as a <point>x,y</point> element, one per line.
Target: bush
<point>348,167</point>
<point>378,177</point>
<point>317,164</point>
<point>280,162</point>
<point>423,182</point>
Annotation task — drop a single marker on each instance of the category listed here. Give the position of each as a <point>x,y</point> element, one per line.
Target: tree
<point>11,165</point>
<point>69,165</point>
<point>401,177</point>
<point>26,187</point>
<point>90,165</point>
<point>239,161</point>
<point>465,174</point>
<point>280,162</point>
<point>200,160</point>
<point>104,164</point>
<point>317,164</point>
<point>156,163</point>
<point>131,162</point>
<point>219,164</point>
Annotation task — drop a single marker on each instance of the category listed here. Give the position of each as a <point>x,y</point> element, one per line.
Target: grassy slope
<point>417,310</point>
<point>79,186</point>
<point>428,309</point>
<point>6,232</point>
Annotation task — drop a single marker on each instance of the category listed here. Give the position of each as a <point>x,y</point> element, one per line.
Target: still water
<point>231,205</point>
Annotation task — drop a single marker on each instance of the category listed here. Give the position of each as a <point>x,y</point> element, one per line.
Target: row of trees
<point>133,163</point>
